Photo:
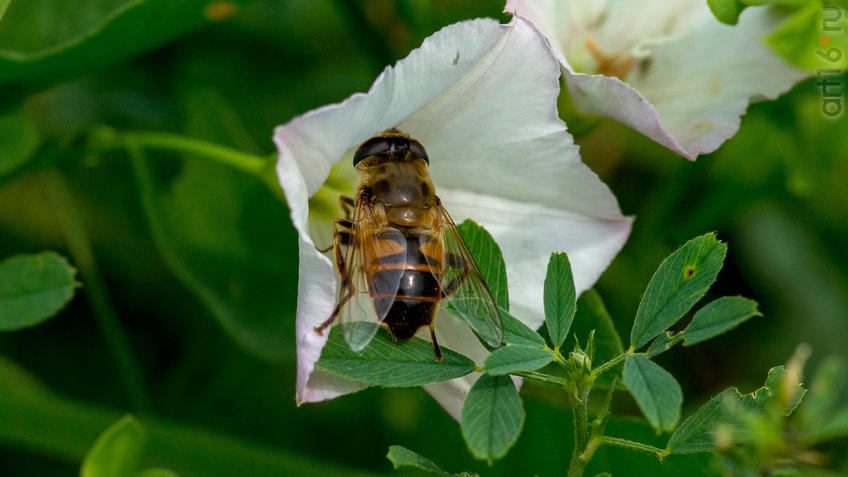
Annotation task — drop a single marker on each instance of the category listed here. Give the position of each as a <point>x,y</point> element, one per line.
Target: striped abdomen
<point>418,294</point>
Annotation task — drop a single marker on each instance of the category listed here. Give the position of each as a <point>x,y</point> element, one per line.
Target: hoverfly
<point>399,253</point>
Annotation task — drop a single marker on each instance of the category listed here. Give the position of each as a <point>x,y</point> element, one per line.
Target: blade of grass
<point>82,253</point>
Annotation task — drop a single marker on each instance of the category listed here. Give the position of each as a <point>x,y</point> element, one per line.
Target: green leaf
<point>18,138</point>
<point>560,298</point>
<point>489,258</point>
<point>727,11</point>
<point>679,282</point>
<point>33,288</point>
<point>4,4</point>
<point>45,37</point>
<point>758,3</point>
<point>655,390</point>
<point>117,452</point>
<point>516,358</point>
<point>157,473</point>
<point>517,333</point>
<point>402,457</point>
<point>717,317</point>
<point>788,386</point>
<point>385,362</point>
<point>695,433</point>
<point>663,343</point>
<point>492,417</point>
<point>802,41</point>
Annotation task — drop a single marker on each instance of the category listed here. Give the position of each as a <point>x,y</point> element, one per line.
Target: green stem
<point>544,378</point>
<point>637,446</point>
<point>612,363</point>
<point>579,459</point>
<point>558,357</point>
<point>260,167</point>
<point>243,161</point>
<point>104,312</point>
<point>598,423</point>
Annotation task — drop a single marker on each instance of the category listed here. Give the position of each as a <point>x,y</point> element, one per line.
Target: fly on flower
<point>478,95</point>
<point>399,253</point>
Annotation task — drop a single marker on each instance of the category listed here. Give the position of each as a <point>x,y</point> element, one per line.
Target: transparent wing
<point>464,286</point>
<point>373,285</point>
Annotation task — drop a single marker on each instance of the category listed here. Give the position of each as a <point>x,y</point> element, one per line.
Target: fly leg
<point>342,236</point>
<point>452,285</point>
<point>438,351</point>
<point>347,206</point>
<point>347,228</point>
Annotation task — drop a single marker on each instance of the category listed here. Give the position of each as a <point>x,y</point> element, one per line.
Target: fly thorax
<point>406,216</point>
<point>401,184</point>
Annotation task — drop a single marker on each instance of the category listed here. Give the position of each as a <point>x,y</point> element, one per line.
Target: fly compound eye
<point>418,149</point>
<point>371,147</point>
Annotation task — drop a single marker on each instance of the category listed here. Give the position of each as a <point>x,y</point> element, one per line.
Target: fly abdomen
<point>415,284</point>
<point>413,306</point>
<point>407,316</point>
<point>419,285</point>
<point>405,286</point>
<point>418,273</point>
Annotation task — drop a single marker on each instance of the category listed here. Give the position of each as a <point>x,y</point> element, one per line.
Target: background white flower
<point>481,98</point>
<point>667,68</point>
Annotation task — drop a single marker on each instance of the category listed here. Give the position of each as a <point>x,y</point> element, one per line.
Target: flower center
<point>618,65</point>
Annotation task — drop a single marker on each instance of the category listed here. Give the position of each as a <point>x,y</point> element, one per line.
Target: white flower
<point>666,68</point>
<point>481,98</point>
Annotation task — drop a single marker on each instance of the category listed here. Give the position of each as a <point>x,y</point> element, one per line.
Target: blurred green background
<point>187,265</point>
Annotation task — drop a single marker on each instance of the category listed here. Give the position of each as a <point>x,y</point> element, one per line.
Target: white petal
<point>496,132</point>
<point>609,96</point>
<point>311,144</point>
<point>527,234</point>
<point>692,94</point>
<point>700,91</point>
<point>616,26</point>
